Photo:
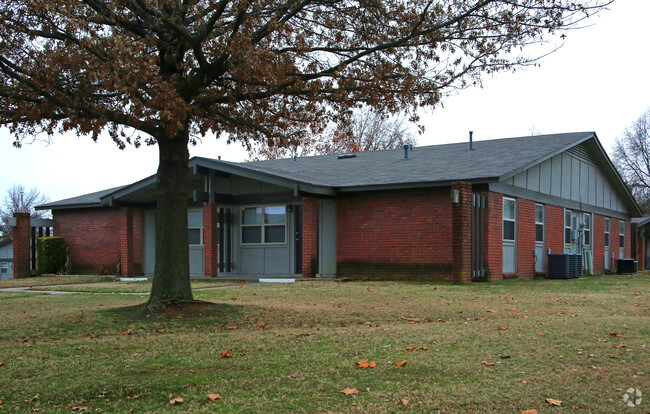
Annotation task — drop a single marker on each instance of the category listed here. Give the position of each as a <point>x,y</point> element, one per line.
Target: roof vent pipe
<point>406,151</point>
<point>471,146</point>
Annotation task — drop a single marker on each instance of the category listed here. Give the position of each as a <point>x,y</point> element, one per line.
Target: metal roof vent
<point>471,146</point>
<point>345,156</point>
<point>406,152</point>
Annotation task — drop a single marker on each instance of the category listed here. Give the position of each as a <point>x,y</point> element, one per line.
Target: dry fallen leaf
<point>614,334</point>
<point>214,397</point>
<point>620,345</point>
<point>176,401</point>
<point>350,391</point>
<point>492,311</point>
<point>366,364</point>
<point>413,321</point>
<point>488,363</point>
<point>541,333</point>
<point>78,320</point>
<point>400,363</point>
<point>613,356</point>
<point>127,332</point>
<point>293,375</point>
<point>81,408</point>
<point>511,309</point>
<point>554,402</point>
<point>261,325</point>
<point>403,402</point>
<point>524,381</point>
<point>232,327</point>
<point>369,289</point>
<point>2,364</point>
<point>225,354</point>
<point>135,396</point>
<point>529,412</point>
<point>160,330</point>
<point>502,328</point>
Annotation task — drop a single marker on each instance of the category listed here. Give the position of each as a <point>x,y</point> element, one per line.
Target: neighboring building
<point>6,259</point>
<point>442,212</point>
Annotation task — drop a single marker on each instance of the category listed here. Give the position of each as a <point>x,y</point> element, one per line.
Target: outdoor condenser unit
<point>564,266</point>
<point>627,266</point>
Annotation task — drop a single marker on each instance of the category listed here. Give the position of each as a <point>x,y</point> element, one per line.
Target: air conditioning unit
<point>564,266</point>
<point>627,266</point>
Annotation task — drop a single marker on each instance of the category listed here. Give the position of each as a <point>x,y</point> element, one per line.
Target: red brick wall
<point>525,238</point>
<point>21,238</point>
<point>309,237</point>
<point>494,235</point>
<point>598,240</point>
<point>404,235</point>
<point>96,238</point>
<point>554,228</point>
<point>462,233</point>
<point>210,240</point>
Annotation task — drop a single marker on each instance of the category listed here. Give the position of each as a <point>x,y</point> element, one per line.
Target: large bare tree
<point>632,158</point>
<point>20,200</point>
<point>164,72</point>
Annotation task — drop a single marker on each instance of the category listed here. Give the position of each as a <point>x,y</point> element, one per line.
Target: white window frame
<point>568,226</point>
<point>4,268</point>
<point>513,220</point>
<point>608,238</point>
<point>586,238</point>
<point>262,226</point>
<point>200,228</point>
<point>621,234</point>
<point>542,223</point>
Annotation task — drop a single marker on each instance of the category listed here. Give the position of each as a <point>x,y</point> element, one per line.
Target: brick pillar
<point>640,246</point>
<point>526,238</point>
<point>494,235</point>
<point>127,255</point>
<point>309,237</point>
<point>21,236</point>
<point>210,240</point>
<point>461,228</point>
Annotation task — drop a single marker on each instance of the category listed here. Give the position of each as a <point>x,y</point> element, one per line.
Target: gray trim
<point>12,221</point>
<point>34,222</point>
<point>407,186</point>
<point>513,191</point>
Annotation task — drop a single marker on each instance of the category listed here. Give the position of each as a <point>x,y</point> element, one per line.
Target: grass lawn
<point>48,281</point>
<point>105,285</point>
<point>293,348</point>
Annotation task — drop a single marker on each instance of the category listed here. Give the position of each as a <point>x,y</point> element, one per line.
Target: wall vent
<point>346,156</point>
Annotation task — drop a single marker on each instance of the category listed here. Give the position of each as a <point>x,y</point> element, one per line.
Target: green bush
<point>51,254</point>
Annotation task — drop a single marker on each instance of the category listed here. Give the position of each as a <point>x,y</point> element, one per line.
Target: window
<point>621,233</point>
<point>195,227</point>
<point>606,232</point>
<point>4,268</point>
<point>263,225</point>
<point>586,231</point>
<point>539,223</point>
<point>567,226</point>
<point>509,219</point>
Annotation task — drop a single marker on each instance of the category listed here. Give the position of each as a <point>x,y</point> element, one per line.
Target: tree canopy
<point>632,158</point>
<point>167,71</point>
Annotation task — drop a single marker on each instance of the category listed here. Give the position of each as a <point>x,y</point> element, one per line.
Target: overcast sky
<point>598,81</point>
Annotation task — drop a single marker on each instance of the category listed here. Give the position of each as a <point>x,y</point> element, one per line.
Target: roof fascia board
<point>138,185</point>
<point>513,191</point>
<point>552,154</point>
<point>406,186</point>
<point>69,206</point>
<point>261,176</point>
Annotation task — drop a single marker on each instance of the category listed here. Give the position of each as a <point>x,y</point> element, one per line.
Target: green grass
<point>296,345</point>
<point>56,280</point>
<point>127,287</point>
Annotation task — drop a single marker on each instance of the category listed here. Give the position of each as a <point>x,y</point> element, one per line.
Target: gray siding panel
<point>327,244</point>
<point>533,178</point>
<point>277,261</point>
<point>583,184</point>
<point>520,179</point>
<point>556,176</point>
<point>545,177</point>
<point>566,176</point>
<point>592,185</point>
<point>252,261</point>
<point>575,179</point>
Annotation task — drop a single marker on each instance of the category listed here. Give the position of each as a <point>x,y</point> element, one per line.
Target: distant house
<point>6,259</point>
<point>491,209</point>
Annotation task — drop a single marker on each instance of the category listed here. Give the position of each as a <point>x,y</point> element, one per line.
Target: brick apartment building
<point>468,211</point>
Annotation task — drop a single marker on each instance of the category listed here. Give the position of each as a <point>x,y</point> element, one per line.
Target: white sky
<point>599,81</point>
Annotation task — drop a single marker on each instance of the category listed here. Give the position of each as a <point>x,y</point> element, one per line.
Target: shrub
<point>51,254</point>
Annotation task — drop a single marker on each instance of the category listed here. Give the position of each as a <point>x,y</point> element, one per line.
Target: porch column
<point>210,240</point>
<point>21,236</point>
<point>309,237</point>
<point>127,261</point>
<point>461,225</point>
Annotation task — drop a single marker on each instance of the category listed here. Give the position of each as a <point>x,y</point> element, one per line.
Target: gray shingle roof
<point>434,163</point>
<point>86,200</point>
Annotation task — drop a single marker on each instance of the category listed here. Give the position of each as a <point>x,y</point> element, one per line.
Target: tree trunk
<point>171,279</point>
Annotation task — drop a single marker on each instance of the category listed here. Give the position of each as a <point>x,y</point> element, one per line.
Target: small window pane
<point>539,233</point>
<point>252,215</point>
<point>274,215</point>
<point>567,235</point>
<point>274,234</point>
<point>251,234</point>
<point>508,230</point>
<point>606,225</point>
<point>195,218</point>
<point>539,214</point>
<point>509,209</point>
<point>587,234</point>
<point>621,242</point>
<point>621,228</point>
<point>606,239</point>
<point>567,217</point>
<point>587,221</point>
<point>194,236</point>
